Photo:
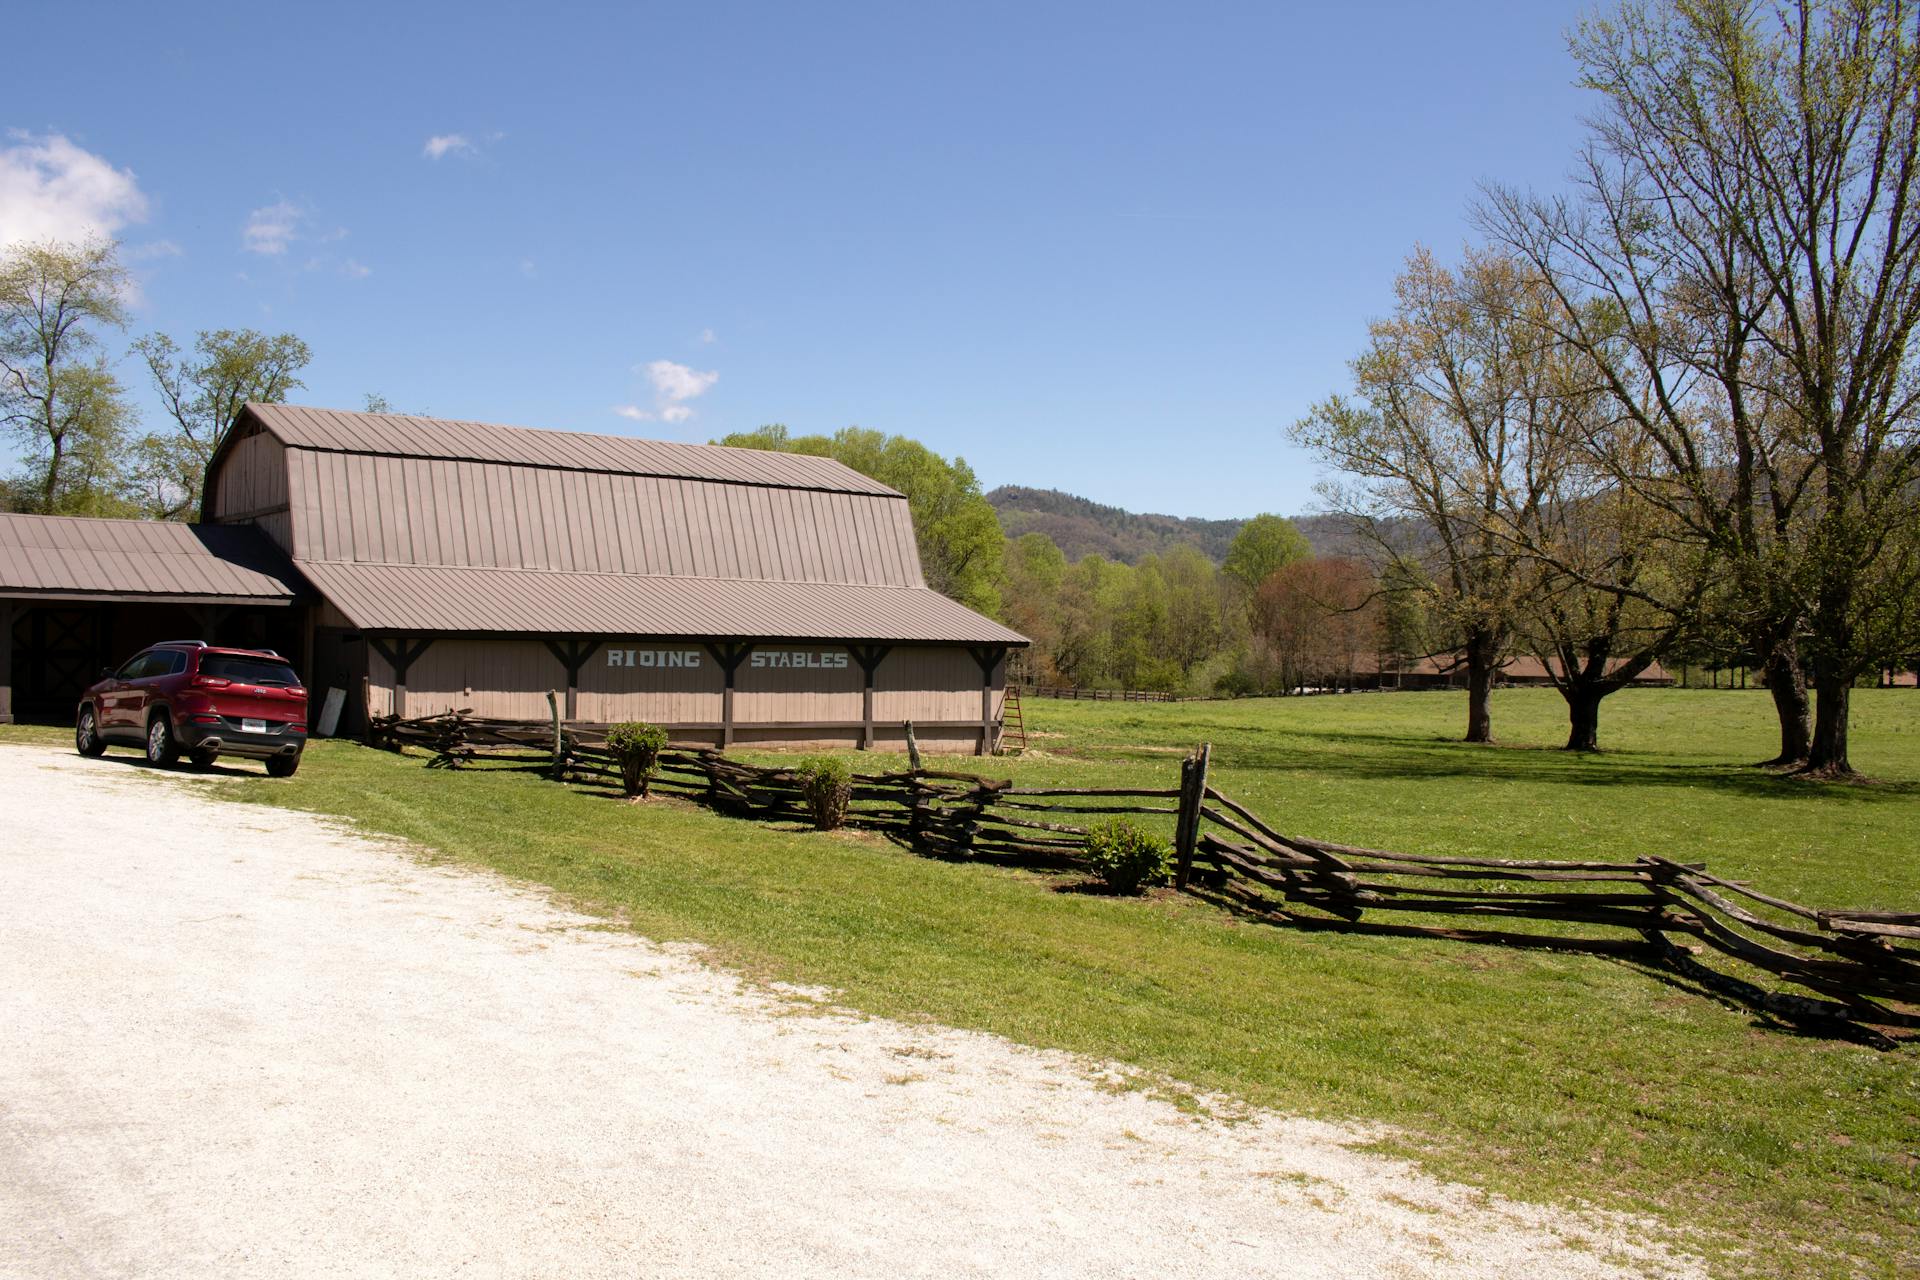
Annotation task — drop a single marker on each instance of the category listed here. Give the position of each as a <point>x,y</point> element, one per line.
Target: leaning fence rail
<point>1858,972</point>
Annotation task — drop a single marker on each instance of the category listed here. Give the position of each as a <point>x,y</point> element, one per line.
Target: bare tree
<point>1453,391</point>
<point>1742,264</point>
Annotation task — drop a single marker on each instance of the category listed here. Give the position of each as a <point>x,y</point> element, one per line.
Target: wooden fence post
<point>559,756</point>
<point>1193,794</point>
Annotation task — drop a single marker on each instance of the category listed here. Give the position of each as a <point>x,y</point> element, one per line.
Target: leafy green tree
<point>57,397</point>
<point>959,536</point>
<point>1265,544</point>
<point>203,395</point>
<point>1196,625</point>
<point>1030,600</point>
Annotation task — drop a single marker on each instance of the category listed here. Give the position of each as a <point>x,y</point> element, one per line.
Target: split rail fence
<point>1071,694</point>
<point>1859,970</point>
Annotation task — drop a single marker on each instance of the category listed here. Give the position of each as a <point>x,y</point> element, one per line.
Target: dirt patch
<point>240,1041</point>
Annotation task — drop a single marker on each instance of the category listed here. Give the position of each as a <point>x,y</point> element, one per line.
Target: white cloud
<point>272,228</point>
<point>708,337</point>
<point>442,144</point>
<point>358,270</point>
<point>673,385</point>
<point>51,189</point>
<point>676,382</point>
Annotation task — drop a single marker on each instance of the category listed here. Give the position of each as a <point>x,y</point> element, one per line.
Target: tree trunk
<point>1583,717</point>
<point>1829,754</point>
<point>1788,685</point>
<point>1482,653</point>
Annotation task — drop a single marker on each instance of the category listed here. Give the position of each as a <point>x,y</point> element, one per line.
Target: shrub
<point>1127,858</point>
<point>827,783</point>
<point>637,747</point>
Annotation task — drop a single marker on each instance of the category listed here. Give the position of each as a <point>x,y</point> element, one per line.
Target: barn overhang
<point>73,563</point>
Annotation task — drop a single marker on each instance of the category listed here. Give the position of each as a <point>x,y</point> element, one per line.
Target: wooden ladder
<point>1013,723</point>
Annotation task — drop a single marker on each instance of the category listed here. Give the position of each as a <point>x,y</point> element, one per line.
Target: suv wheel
<point>283,766</point>
<point>86,734</point>
<point>161,748</point>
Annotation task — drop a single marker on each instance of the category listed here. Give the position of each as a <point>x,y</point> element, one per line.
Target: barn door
<point>57,652</point>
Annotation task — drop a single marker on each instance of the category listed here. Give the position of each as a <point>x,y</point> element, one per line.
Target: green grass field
<point>1553,1076</point>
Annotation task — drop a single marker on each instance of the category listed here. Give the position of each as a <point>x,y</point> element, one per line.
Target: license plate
<point>254,726</point>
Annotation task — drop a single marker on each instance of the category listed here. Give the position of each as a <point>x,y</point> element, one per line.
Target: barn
<point>421,565</point>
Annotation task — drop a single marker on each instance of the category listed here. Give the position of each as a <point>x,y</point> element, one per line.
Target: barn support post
<point>869,657</point>
<point>401,653</point>
<point>989,657</point>
<point>6,661</point>
<point>209,618</point>
<point>572,654</point>
<point>729,656</point>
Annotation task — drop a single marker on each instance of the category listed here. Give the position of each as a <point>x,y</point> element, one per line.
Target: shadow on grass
<point>1385,757</point>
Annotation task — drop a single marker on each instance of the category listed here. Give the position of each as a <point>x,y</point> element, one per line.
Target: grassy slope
<point>1550,1076</point>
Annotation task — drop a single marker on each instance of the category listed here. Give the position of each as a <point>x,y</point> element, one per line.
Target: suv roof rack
<point>181,644</point>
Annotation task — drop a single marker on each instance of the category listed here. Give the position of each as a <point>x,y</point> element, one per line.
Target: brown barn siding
<point>379,685</point>
<point>820,695</point>
<point>658,694</point>
<point>505,678</point>
<point>796,739</point>
<point>922,684</point>
<point>253,477</point>
<point>510,679</point>
<point>937,742</point>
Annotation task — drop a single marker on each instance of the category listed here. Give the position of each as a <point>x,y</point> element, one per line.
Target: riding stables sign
<point>761,658</point>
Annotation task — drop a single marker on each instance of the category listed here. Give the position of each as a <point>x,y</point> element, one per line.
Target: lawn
<point>1551,1076</point>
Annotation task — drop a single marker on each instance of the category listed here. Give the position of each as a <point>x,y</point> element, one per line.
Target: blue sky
<point>1112,249</point>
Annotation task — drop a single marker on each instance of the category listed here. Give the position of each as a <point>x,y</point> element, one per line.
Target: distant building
<point>1449,671</point>
<point>421,565</point>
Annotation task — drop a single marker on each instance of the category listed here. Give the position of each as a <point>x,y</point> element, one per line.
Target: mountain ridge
<point>1082,527</point>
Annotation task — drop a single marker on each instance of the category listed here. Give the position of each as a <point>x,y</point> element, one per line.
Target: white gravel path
<point>237,1042</point>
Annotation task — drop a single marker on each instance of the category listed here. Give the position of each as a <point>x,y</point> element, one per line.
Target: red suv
<point>185,696</point>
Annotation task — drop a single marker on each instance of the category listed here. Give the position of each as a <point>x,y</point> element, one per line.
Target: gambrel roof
<point>419,524</point>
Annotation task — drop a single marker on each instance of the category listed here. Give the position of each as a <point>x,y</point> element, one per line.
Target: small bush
<point>637,747</point>
<point>827,783</point>
<point>1127,858</point>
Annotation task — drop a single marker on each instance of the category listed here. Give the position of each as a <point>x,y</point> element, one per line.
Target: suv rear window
<point>243,670</point>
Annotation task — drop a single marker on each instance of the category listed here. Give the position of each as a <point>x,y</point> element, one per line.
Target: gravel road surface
<point>239,1042</point>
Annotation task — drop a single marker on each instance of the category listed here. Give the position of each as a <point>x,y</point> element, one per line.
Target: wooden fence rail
<point>1071,694</point>
<point>1862,968</point>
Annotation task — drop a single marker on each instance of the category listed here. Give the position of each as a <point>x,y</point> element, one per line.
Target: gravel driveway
<point>236,1041</point>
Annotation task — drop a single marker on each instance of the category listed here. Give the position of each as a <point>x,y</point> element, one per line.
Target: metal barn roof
<point>441,598</point>
<point>77,557</point>
<point>402,435</point>
<point>417,524</point>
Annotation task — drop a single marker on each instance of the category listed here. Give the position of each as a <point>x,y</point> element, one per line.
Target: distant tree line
<point>84,452</point>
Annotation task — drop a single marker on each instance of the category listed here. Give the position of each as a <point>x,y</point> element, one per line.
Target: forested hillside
<point>1082,527</point>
